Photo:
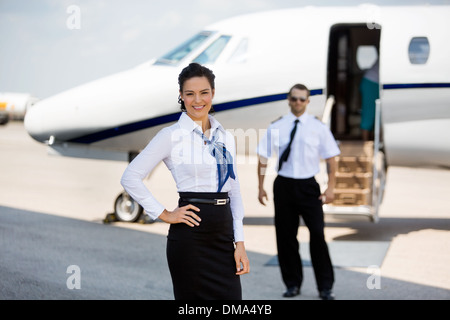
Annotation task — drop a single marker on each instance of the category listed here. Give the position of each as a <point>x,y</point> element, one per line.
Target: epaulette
<point>319,119</point>
<point>276,119</point>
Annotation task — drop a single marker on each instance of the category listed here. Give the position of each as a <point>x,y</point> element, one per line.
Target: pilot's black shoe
<point>291,292</point>
<point>326,295</point>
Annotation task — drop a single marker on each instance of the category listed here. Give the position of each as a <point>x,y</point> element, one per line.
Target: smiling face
<point>197,95</point>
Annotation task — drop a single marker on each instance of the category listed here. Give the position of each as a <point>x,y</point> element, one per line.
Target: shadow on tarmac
<point>123,264</point>
<point>385,230</point>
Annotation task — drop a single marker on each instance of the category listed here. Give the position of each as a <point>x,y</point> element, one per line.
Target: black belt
<point>216,202</point>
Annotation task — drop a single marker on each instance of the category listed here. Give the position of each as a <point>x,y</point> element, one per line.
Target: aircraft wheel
<point>126,208</point>
<point>3,120</point>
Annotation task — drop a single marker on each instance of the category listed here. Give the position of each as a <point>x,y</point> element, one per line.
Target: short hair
<point>299,86</point>
<point>194,70</point>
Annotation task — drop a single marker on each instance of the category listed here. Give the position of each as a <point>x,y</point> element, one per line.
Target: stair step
<point>354,164</point>
<point>353,180</point>
<point>349,197</point>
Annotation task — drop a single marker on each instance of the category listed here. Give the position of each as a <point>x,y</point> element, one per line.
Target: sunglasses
<point>294,99</point>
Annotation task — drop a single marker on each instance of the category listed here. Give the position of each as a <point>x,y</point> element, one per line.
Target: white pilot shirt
<point>312,141</point>
<point>192,166</point>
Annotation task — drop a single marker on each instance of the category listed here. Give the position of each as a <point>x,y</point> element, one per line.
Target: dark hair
<point>299,86</point>
<point>191,71</point>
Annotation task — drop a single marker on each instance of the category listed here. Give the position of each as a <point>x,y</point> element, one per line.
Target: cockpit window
<point>176,55</point>
<point>240,54</point>
<point>419,50</point>
<point>213,51</point>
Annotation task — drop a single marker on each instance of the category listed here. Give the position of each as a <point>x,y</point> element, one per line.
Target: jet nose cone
<point>33,123</point>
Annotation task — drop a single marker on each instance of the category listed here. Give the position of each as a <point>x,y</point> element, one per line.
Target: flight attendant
<point>205,244</point>
<point>300,140</point>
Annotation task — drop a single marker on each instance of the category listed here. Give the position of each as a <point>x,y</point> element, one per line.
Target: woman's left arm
<point>240,256</point>
<point>237,209</point>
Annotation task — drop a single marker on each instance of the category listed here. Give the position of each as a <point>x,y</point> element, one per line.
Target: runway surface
<point>52,208</point>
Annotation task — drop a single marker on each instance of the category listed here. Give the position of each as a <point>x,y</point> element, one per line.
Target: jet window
<point>366,56</point>
<point>213,51</point>
<point>240,54</point>
<point>176,55</point>
<point>419,50</point>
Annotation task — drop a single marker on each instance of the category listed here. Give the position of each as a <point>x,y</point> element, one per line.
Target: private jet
<point>256,59</point>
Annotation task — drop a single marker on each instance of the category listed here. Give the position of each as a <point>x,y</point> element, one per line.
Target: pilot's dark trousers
<point>294,198</point>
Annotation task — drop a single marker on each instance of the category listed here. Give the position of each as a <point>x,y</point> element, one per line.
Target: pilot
<point>300,140</point>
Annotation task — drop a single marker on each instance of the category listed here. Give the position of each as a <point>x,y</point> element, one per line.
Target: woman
<point>205,244</point>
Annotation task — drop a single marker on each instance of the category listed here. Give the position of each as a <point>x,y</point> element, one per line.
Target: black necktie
<point>286,152</point>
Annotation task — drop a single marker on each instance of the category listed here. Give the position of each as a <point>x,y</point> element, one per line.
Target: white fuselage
<point>265,54</point>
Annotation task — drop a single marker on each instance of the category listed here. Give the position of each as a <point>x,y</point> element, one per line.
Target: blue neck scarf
<point>223,158</point>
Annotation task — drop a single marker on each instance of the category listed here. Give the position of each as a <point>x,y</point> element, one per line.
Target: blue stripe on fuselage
<point>152,122</point>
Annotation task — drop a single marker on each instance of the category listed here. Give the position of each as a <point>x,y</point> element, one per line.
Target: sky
<point>48,46</point>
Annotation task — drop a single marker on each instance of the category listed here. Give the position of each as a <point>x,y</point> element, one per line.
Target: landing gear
<point>378,183</point>
<point>126,208</point>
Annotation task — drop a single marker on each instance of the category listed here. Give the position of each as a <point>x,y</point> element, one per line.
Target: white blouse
<point>192,166</point>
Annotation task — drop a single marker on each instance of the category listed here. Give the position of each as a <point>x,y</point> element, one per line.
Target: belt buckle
<point>221,202</point>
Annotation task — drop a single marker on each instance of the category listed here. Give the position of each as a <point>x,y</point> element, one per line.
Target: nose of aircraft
<point>33,123</point>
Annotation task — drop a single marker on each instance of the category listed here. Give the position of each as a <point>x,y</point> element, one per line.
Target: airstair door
<point>360,176</point>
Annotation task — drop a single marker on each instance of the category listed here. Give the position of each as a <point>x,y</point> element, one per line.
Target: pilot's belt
<point>216,202</point>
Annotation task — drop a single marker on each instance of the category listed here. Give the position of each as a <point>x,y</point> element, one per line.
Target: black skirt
<point>201,258</point>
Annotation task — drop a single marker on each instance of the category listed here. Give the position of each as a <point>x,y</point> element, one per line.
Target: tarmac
<point>405,256</point>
